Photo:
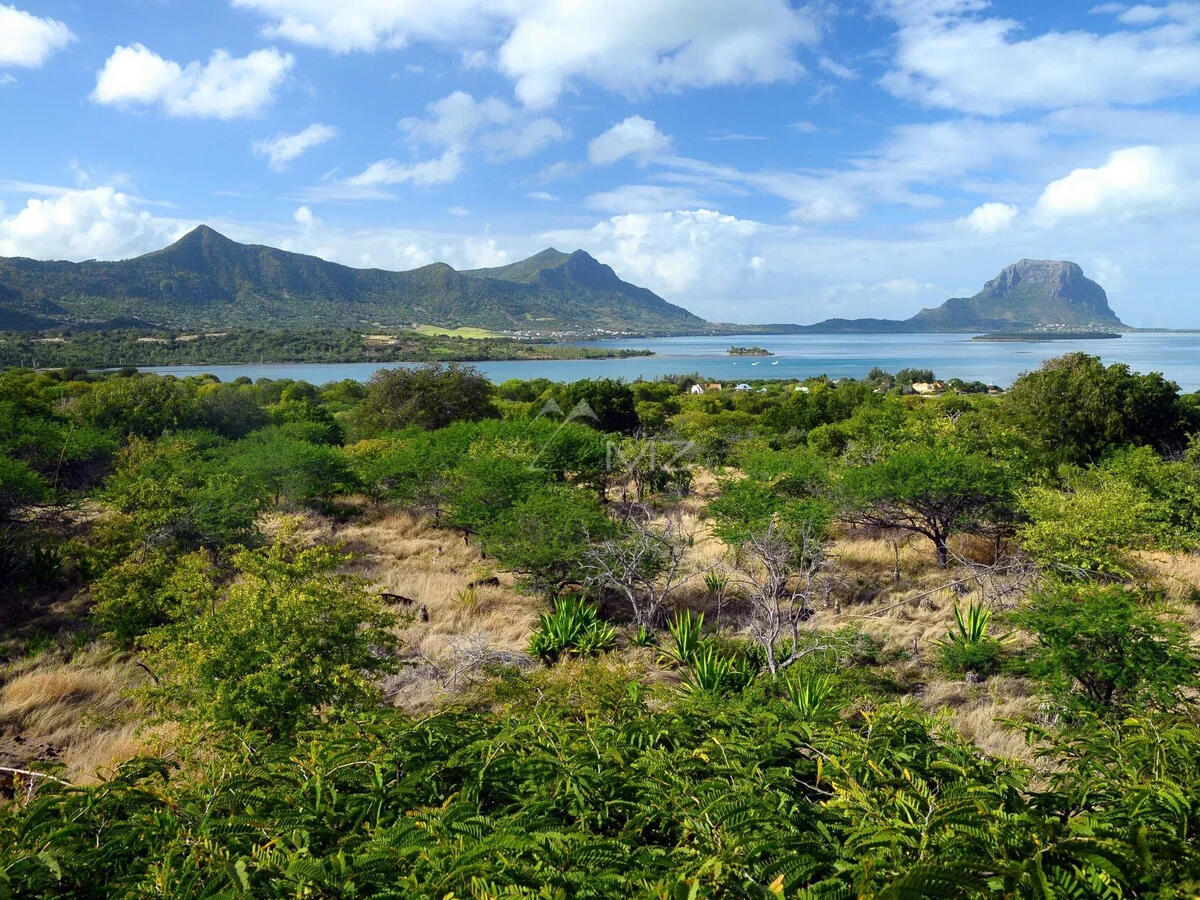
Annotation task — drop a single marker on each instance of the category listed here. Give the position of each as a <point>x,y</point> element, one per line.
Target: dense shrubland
<point>710,703</point>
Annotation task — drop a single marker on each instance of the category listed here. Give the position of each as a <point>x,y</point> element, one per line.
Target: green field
<point>464,332</point>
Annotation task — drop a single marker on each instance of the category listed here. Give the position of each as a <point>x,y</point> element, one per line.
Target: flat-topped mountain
<point>1030,295</point>
<point>206,280</point>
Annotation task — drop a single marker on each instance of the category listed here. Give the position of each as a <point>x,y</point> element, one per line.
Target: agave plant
<point>687,638</point>
<point>573,626</point>
<point>812,695</point>
<point>967,647</point>
<point>971,627</point>
<point>644,637</point>
<point>709,670</point>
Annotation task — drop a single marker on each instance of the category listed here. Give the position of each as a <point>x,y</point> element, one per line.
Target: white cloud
<point>990,218</point>
<point>635,136</point>
<point>631,46</point>
<point>100,222</point>
<point>628,46</point>
<point>459,121</point>
<point>455,124</point>
<point>29,40</point>
<point>441,170</point>
<point>225,87</point>
<point>675,252</point>
<point>458,211</point>
<point>643,198</point>
<point>1133,179</point>
<point>283,148</point>
<point>544,196</point>
<point>951,58</point>
<point>6,79</point>
<point>837,69</point>
<point>303,216</point>
<point>370,25</point>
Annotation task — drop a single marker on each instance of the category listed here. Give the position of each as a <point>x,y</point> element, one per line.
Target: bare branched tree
<point>1003,583</point>
<point>645,566</point>
<point>780,579</point>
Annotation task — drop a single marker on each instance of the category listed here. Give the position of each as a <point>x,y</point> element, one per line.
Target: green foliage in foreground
<point>590,790</point>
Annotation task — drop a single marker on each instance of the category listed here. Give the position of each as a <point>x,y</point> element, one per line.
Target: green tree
<point>926,490</point>
<point>144,405</point>
<point>484,485</point>
<point>1102,648</point>
<point>229,410</point>
<point>175,494</point>
<point>604,403</point>
<point>431,396</point>
<point>1087,529</point>
<point>1077,409</point>
<point>547,535</point>
<point>288,637</point>
<point>19,485</point>
<point>281,467</point>
<point>152,589</point>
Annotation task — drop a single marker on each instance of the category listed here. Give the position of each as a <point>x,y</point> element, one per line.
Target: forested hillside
<point>431,637</point>
<point>207,281</point>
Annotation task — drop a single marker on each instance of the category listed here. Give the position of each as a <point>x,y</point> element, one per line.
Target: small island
<point>750,351</point>
<point>1047,336</point>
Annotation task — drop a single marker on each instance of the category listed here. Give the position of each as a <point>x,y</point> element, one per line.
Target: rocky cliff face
<point>1030,294</point>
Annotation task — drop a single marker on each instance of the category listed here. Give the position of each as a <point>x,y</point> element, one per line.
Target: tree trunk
<point>942,552</point>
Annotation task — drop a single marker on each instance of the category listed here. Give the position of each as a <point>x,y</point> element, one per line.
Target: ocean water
<point>798,356</point>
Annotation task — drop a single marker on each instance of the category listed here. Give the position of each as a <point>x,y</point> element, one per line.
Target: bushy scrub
<point>288,637</point>
<point>1088,529</point>
<point>1105,649</point>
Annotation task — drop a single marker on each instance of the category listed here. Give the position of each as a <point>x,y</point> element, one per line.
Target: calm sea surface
<point>796,356</point>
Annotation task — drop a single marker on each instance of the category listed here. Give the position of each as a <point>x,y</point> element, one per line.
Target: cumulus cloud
<point>990,218</point>
<point>545,46</point>
<point>98,223</point>
<point>427,173</point>
<point>225,87</point>
<point>455,124</point>
<point>1130,180</point>
<point>631,46</point>
<point>304,217</point>
<point>949,56</point>
<point>29,40</point>
<point>459,120</point>
<point>283,148</point>
<point>370,25</point>
<point>676,251</point>
<point>635,136</point>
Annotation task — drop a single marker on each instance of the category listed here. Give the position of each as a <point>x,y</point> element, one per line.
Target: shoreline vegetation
<point>750,351</point>
<point>116,349</point>
<point>1020,336</point>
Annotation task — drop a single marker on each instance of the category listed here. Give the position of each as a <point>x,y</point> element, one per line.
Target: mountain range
<point>205,281</point>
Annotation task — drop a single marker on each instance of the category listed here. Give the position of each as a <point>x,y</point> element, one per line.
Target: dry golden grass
<point>76,713</point>
<point>400,553</point>
<point>1177,573</point>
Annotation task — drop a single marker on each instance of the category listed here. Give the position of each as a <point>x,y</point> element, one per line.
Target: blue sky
<point>753,160</point>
